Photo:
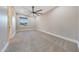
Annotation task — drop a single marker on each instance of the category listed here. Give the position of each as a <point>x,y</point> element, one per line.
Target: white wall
<point>14,23</point>
<point>61,21</point>
<point>3,27</point>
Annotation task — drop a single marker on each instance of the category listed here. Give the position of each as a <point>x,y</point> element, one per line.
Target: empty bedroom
<point>39,28</point>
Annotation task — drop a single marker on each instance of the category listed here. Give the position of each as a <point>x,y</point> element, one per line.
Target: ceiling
<point>26,10</point>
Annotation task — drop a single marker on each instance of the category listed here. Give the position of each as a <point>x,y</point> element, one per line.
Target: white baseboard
<point>5,47</point>
<point>65,38</point>
<point>24,30</point>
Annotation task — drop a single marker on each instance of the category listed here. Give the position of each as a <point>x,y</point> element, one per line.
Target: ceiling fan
<point>37,12</point>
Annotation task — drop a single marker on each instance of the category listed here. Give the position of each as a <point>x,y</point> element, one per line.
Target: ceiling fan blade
<point>32,8</point>
<point>40,13</point>
<point>37,14</point>
<point>38,10</point>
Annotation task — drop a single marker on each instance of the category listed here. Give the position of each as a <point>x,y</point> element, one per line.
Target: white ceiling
<point>26,10</point>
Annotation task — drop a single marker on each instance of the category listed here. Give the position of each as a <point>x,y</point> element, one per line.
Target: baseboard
<point>65,38</point>
<point>5,47</point>
<point>24,30</point>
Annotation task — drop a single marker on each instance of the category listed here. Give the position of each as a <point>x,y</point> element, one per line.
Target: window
<point>23,20</point>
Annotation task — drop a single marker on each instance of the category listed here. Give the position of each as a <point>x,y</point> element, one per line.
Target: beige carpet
<point>35,41</point>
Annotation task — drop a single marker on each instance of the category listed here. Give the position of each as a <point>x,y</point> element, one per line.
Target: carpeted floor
<point>35,41</point>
